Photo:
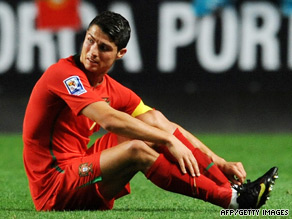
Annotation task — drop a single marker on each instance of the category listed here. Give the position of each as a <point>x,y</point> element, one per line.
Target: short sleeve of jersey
<point>67,81</point>
<point>122,98</point>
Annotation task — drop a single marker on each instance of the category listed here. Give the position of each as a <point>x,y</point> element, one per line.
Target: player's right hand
<point>184,157</point>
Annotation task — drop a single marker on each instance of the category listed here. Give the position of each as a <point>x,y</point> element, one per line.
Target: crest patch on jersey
<point>74,85</point>
<point>106,99</point>
<point>85,169</point>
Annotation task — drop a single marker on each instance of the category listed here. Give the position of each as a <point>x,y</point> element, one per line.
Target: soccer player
<point>75,97</point>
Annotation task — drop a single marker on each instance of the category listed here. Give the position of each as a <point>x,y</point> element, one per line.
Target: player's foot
<point>254,194</point>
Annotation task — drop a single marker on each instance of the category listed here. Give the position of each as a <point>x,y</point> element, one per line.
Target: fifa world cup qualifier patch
<point>74,85</point>
<point>85,169</point>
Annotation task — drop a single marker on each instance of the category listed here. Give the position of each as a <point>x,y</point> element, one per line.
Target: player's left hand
<point>234,171</point>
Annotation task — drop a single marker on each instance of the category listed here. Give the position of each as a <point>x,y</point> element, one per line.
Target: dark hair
<point>115,26</point>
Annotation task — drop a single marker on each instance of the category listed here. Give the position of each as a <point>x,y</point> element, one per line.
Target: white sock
<point>233,203</point>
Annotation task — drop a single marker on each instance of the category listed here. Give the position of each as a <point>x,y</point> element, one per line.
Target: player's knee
<point>137,149</point>
<point>140,153</point>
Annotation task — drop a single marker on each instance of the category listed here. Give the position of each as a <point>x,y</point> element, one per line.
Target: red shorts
<point>78,187</point>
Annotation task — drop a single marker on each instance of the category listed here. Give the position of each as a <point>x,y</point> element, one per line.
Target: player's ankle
<point>233,202</point>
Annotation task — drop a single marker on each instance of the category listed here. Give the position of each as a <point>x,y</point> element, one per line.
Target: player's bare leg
<point>120,163</point>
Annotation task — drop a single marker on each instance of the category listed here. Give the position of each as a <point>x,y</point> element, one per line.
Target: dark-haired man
<point>75,97</point>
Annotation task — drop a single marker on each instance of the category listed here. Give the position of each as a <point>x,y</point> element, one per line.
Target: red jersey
<point>54,131</point>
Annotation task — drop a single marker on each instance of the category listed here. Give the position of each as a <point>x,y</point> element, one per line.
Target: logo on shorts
<point>74,85</point>
<point>84,169</point>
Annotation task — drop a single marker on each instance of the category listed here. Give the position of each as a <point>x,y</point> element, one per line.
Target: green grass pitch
<point>258,152</point>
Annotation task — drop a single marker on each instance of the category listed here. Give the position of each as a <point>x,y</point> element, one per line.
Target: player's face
<point>98,51</point>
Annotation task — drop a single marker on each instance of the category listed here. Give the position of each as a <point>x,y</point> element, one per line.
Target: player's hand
<point>234,171</point>
<point>185,158</point>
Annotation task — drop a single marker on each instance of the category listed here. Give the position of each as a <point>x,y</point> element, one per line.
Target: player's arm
<point>123,124</point>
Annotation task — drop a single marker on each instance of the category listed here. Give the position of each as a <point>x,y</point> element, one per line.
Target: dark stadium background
<point>235,100</point>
